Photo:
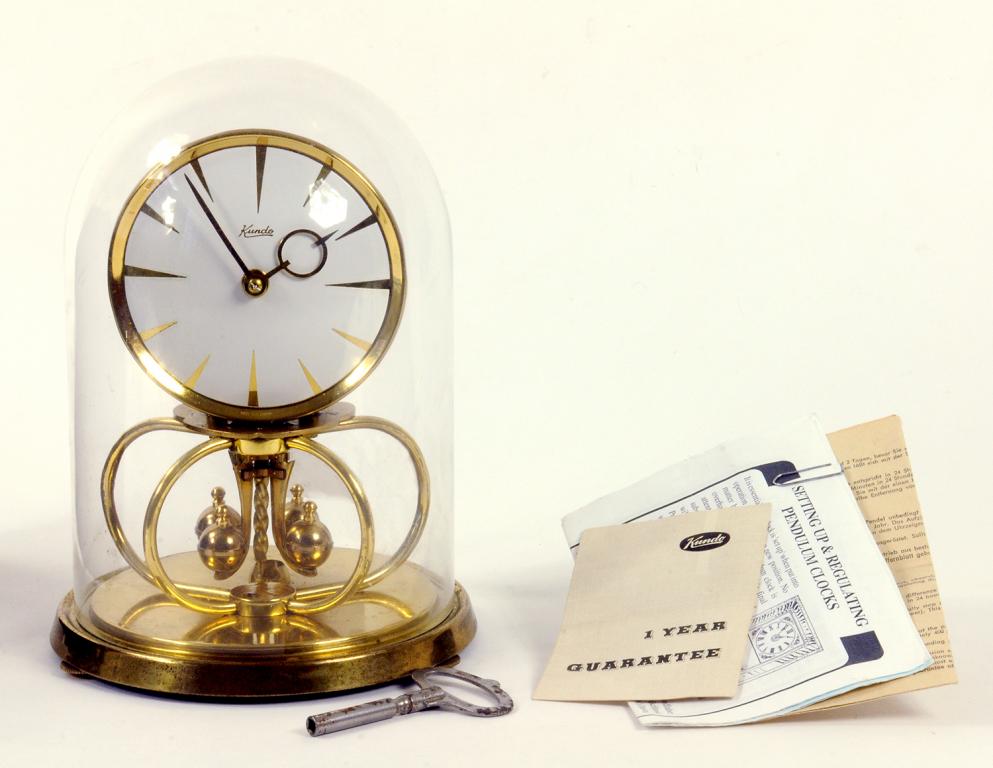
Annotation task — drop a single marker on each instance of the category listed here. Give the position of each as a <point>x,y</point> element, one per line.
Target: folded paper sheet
<point>877,468</point>
<point>660,609</point>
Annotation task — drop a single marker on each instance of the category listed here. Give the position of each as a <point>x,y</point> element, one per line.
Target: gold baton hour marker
<point>195,164</point>
<point>153,214</point>
<point>321,176</point>
<point>253,385</point>
<point>386,284</point>
<point>363,345</point>
<point>314,386</point>
<point>259,172</point>
<point>130,271</point>
<point>367,221</point>
<point>191,382</point>
<point>153,332</point>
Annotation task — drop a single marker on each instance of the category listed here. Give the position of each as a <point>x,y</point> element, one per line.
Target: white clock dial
<point>257,275</point>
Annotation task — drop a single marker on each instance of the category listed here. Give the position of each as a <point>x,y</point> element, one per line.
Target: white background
<point>673,223</point>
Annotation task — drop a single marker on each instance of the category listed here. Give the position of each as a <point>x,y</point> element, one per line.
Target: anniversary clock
<point>262,369</point>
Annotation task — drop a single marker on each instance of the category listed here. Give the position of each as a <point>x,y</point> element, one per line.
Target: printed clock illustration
<point>775,637</point>
<point>258,276</point>
<point>779,636</point>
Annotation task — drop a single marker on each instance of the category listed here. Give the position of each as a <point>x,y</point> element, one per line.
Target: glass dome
<point>262,357</point>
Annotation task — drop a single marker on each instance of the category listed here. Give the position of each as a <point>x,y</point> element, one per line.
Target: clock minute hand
<point>217,227</point>
<point>324,239</point>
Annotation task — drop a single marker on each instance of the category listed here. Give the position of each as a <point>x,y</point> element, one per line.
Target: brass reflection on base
<point>260,675</point>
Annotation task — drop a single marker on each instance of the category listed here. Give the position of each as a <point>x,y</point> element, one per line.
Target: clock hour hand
<point>274,270</point>
<point>217,227</point>
<point>256,282</point>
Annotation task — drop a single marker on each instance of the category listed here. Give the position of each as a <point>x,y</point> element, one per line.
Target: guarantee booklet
<point>659,610</point>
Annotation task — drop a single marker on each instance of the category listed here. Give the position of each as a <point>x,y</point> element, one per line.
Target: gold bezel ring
<point>175,387</point>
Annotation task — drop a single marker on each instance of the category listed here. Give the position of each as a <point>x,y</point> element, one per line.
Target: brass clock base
<point>153,667</point>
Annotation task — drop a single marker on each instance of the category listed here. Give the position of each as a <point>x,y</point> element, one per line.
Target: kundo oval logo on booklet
<point>701,542</point>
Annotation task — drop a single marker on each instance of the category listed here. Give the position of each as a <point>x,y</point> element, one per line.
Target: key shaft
<point>374,711</point>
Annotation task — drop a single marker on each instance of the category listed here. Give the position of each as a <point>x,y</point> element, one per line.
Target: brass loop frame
<point>308,600</point>
<point>107,482</point>
<point>327,422</point>
<point>423,490</point>
<point>151,528</point>
<point>321,598</point>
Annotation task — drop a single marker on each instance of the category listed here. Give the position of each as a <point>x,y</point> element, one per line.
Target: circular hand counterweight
<point>195,278</point>
<point>302,241</point>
